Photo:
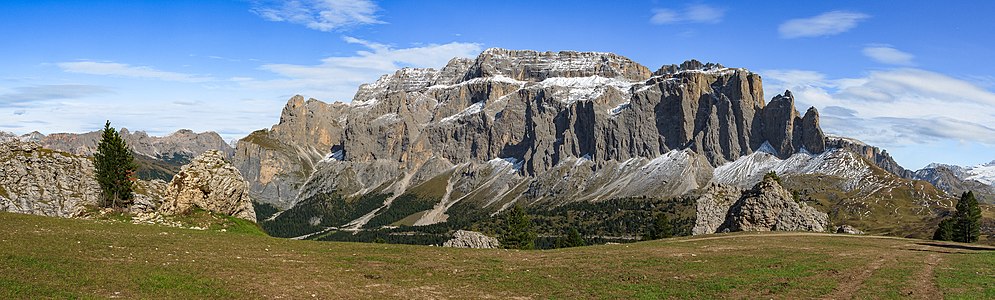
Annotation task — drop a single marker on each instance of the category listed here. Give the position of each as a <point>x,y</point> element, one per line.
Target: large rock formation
<point>770,207</point>
<point>35,180</point>
<point>538,109</point>
<point>472,239</point>
<point>210,183</point>
<point>766,207</point>
<point>547,129</point>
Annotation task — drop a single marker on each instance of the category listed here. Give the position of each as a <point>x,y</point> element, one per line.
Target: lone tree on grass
<point>968,218</point>
<point>518,230</point>
<point>115,168</point>
<point>965,225</point>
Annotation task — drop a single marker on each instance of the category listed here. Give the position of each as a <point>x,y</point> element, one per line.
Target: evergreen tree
<point>572,239</point>
<point>773,175</point>
<point>518,230</point>
<point>660,229</point>
<point>115,168</point>
<point>967,228</point>
<point>945,231</point>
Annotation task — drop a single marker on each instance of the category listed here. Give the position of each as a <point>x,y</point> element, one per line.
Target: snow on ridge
<point>512,164</point>
<point>767,148</point>
<point>619,108</point>
<point>586,88</point>
<point>470,110</point>
<point>835,162</point>
<point>334,156</point>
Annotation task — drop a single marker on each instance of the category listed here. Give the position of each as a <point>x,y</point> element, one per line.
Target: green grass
<point>969,276</point>
<point>43,257</point>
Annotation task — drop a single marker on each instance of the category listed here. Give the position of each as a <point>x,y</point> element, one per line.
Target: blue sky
<point>913,77</point>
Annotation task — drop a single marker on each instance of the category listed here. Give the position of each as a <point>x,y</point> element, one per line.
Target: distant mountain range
<point>158,157</point>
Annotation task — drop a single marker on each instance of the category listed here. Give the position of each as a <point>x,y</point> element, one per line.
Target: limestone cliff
<point>542,111</point>
<point>35,180</point>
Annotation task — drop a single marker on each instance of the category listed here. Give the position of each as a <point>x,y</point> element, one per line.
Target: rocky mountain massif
<point>158,157</point>
<point>41,181</point>
<point>571,136</point>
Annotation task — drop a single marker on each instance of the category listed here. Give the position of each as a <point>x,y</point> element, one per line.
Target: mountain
<point>158,157</point>
<point>578,137</point>
<point>955,179</point>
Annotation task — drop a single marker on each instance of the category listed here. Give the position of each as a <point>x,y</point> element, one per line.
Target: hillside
<point>68,258</point>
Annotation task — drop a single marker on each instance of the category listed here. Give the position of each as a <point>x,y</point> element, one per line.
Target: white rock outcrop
<point>39,181</point>
<point>211,183</point>
<point>472,239</point>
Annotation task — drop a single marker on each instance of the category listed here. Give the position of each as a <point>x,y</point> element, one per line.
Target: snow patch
<point>470,110</point>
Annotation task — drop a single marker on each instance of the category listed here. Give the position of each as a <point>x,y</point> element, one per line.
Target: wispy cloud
<point>337,78</point>
<point>32,95</point>
<point>894,108</point>
<point>830,23</point>
<point>695,13</point>
<point>125,70</point>
<point>888,55</point>
<point>323,15</point>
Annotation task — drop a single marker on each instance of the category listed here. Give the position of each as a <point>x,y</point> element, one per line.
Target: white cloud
<point>888,55</point>
<point>337,78</point>
<point>323,15</point>
<point>125,70</point>
<point>894,108</point>
<point>35,95</point>
<point>830,23</point>
<point>696,13</point>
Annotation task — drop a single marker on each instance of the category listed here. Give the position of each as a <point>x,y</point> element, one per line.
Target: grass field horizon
<point>45,257</point>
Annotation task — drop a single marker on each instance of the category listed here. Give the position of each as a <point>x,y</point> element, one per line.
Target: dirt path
<point>925,283</point>
<point>849,287</point>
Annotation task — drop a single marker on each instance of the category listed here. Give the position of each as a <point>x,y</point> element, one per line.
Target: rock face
<point>210,183</point>
<point>597,117</point>
<point>770,207</point>
<point>765,207</point>
<point>712,207</point>
<point>472,239</point>
<point>39,181</point>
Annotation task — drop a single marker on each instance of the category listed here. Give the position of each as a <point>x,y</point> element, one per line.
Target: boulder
<point>471,239</point>
<point>847,229</point>
<point>210,183</point>
<point>770,207</point>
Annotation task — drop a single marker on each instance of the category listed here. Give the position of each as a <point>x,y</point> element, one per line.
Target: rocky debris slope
<point>472,239</point>
<point>35,180</point>
<point>210,183</point>
<point>765,207</point>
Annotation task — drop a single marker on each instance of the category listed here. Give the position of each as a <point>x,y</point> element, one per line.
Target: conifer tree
<point>115,168</point>
<point>518,230</point>
<point>945,231</point>
<point>967,226</point>
<point>660,229</point>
